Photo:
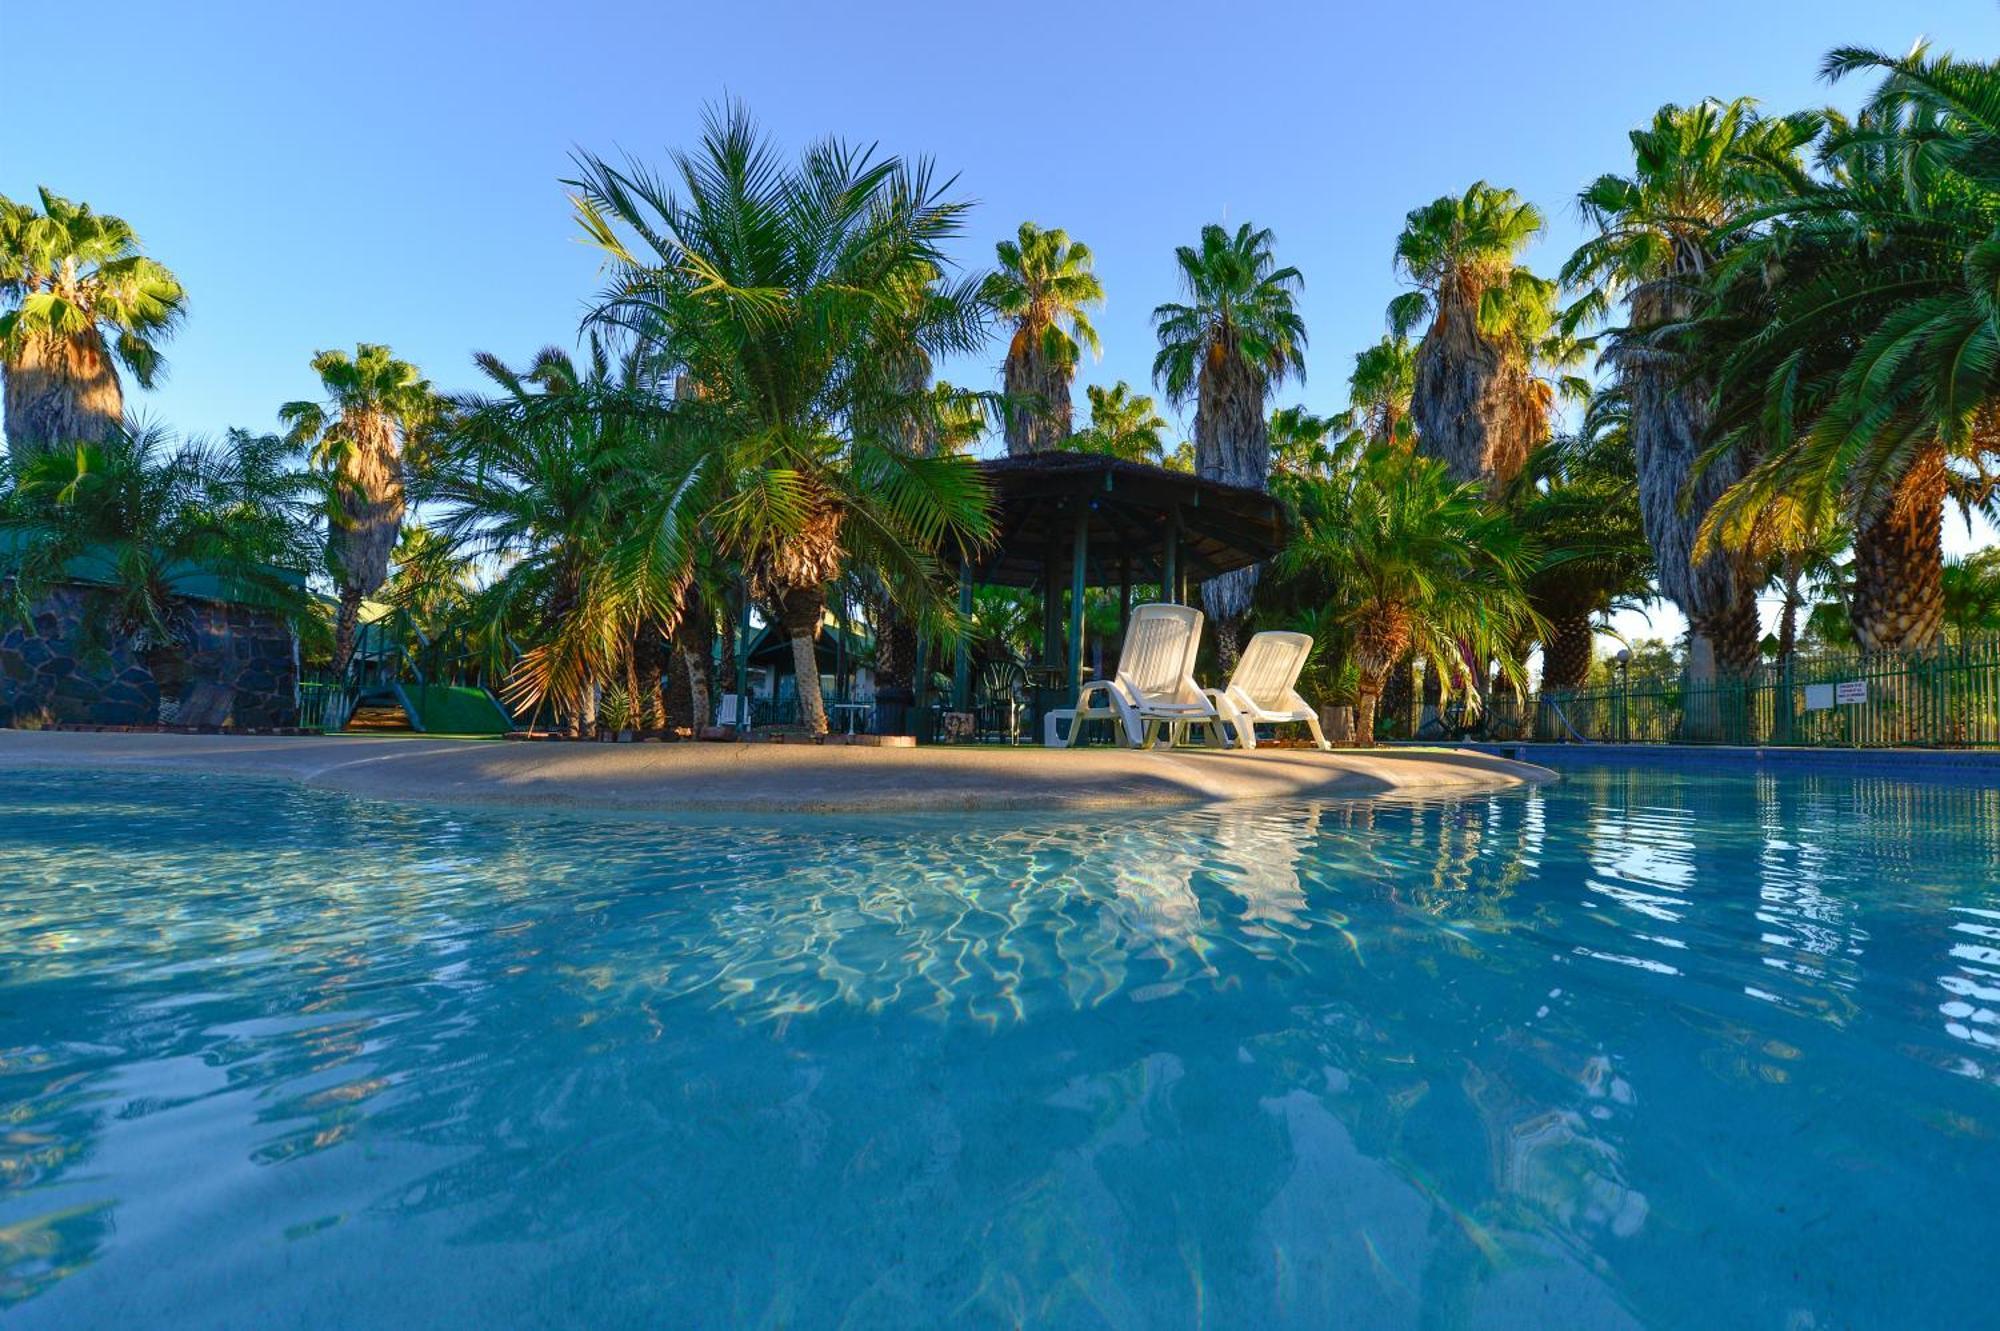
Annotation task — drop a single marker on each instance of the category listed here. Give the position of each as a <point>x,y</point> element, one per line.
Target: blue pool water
<point>1635,1050</point>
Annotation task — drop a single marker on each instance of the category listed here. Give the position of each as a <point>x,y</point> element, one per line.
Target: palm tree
<point>1303,444</point>
<point>1972,595</point>
<point>1043,285</point>
<point>1380,391</point>
<point>77,295</point>
<point>538,480</point>
<point>1235,340</point>
<point>1870,371</point>
<point>777,289</point>
<point>1577,501</point>
<point>1696,171</point>
<point>1416,562</point>
<point>1123,424</point>
<point>1476,399</point>
<point>948,421</point>
<point>378,403</point>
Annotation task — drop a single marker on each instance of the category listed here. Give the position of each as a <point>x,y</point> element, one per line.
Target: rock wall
<point>56,673</point>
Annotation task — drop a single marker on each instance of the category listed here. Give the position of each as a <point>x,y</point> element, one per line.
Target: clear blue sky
<point>389,172</point>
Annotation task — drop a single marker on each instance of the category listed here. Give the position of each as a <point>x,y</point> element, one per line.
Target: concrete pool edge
<point>758,778</point>
<point>1904,764</point>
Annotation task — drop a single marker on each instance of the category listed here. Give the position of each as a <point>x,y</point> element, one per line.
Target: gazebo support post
<point>921,723</point>
<point>961,664</point>
<point>1051,609</point>
<point>1170,562</point>
<point>743,658</point>
<point>839,647</point>
<point>1078,559</point>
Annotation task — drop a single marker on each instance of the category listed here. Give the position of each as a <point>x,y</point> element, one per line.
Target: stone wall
<point>57,674</point>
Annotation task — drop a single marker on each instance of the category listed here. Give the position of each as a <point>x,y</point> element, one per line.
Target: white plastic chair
<point>1154,684</point>
<point>1264,688</point>
<point>733,711</point>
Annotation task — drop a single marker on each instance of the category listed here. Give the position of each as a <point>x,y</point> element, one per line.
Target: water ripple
<point>1529,1059</point>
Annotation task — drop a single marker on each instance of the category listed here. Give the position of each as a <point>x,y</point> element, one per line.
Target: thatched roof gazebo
<point>1086,520</point>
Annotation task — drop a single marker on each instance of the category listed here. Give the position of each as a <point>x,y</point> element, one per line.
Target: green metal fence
<point>324,703</point>
<point>1948,697</point>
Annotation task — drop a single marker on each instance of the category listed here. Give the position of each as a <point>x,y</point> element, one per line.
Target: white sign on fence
<point>1851,690</point>
<point>1819,697</point>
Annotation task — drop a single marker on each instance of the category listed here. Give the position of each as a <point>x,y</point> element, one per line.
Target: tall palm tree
<point>1236,338</point>
<point>1123,424</point>
<point>1416,562</point>
<point>374,405</point>
<point>1380,392</point>
<point>1696,171</point>
<point>1476,399</point>
<point>78,295</point>
<point>1870,371</point>
<point>1043,286</point>
<point>776,289</point>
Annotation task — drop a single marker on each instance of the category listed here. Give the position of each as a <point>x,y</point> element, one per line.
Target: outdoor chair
<point>1263,689</point>
<point>731,712</point>
<point>1153,686</point>
<point>1001,700</point>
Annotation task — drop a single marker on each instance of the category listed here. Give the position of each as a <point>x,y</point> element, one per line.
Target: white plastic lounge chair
<point>1264,688</point>
<point>1154,684</point>
<point>733,711</point>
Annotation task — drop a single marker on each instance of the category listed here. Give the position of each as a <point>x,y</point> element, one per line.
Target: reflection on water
<point>1630,1051</point>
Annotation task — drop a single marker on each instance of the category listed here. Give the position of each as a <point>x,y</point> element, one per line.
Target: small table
<point>853,710</point>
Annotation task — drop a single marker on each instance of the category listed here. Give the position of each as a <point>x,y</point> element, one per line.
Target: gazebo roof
<point>1131,508</point>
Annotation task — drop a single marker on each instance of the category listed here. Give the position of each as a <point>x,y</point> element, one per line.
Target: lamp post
<point>1624,660</point>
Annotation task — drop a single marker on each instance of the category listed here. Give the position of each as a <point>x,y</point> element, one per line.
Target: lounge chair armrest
<point>1244,702</point>
<point>1111,693</point>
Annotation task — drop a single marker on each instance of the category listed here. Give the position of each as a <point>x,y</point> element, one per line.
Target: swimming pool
<point>1634,1050</point>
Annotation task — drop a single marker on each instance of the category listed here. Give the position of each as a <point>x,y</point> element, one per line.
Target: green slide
<point>452,709</point>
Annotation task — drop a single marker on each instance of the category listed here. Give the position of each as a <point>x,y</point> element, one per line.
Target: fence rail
<point>1947,697</point>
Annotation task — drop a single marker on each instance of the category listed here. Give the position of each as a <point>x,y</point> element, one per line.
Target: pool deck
<point>776,777</point>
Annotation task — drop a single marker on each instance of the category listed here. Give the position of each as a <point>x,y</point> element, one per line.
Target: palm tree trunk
<point>1670,429</point>
<point>1399,693</point>
<point>1738,637</point>
<point>1366,694</point>
<point>60,392</point>
<point>369,502</point>
<point>805,671</point>
<point>1381,639</point>
<point>1898,598</point>
<point>1476,408</point>
<point>1566,654</point>
<point>636,707</point>
<point>694,666</point>
<point>1232,444</point>
<point>345,622</point>
<point>650,656</point>
<point>1788,619</point>
<point>800,612</point>
<point>1038,397</point>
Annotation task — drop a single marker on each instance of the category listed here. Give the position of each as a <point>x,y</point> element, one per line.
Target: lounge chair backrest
<point>1269,668</point>
<point>1160,644</point>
